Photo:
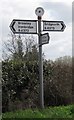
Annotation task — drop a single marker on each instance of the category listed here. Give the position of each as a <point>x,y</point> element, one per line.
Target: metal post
<point>40,64</point>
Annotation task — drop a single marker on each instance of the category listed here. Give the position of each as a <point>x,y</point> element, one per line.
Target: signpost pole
<point>40,64</point>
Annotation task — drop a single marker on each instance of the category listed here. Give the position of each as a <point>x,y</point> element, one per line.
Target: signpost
<point>53,26</point>
<point>39,12</point>
<point>45,38</point>
<point>24,26</point>
<point>30,27</point>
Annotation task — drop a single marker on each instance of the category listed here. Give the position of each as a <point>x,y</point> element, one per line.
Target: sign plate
<point>24,26</point>
<point>53,26</point>
<point>45,38</point>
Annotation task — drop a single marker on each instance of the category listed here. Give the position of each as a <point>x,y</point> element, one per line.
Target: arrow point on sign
<point>63,26</point>
<point>12,26</point>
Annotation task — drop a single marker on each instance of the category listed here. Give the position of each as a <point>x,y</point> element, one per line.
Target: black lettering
<point>49,28</point>
<point>24,23</point>
<point>30,27</point>
<point>51,24</point>
<point>24,30</point>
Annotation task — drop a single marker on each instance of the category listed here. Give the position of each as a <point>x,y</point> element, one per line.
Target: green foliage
<point>51,112</point>
<point>20,82</point>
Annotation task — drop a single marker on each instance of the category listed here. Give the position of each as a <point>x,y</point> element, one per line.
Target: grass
<point>50,112</point>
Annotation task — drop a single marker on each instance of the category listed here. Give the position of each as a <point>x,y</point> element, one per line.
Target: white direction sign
<point>53,26</point>
<point>45,38</point>
<point>24,26</point>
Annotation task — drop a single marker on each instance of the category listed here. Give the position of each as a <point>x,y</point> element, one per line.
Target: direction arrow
<point>45,38</point>
<point>53,26</point>
<point>24,26</point>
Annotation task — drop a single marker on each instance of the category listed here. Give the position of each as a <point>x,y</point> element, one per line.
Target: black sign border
<point>48,38</point>
<point>62,29</point>
<point>14,20</point>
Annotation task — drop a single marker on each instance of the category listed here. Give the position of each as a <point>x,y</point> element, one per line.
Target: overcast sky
<point>60,43</point>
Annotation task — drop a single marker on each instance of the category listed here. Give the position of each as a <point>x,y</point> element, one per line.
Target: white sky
<point>60,43</point>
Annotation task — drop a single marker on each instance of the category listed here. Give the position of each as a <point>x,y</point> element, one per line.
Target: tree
<point>18,78</point>
<point>17,46</point>
<point>19,53</point>
<point>19,72</point>
<point>62,77</point>
<point>20,83</point>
